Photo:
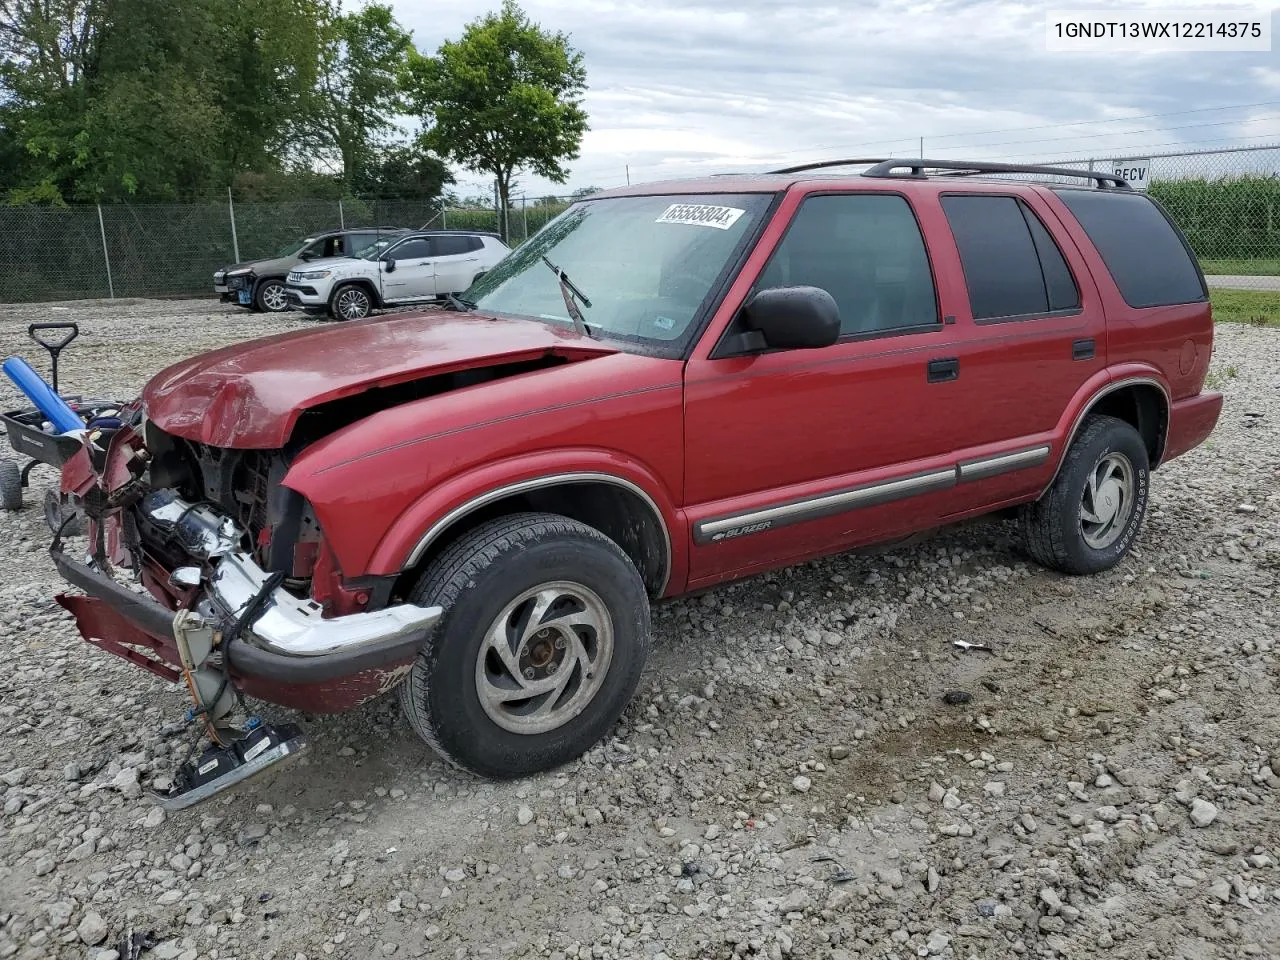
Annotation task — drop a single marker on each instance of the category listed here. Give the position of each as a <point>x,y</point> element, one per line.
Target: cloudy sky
<point>680,87</point>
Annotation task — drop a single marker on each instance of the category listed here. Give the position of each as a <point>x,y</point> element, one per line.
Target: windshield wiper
<point>461,304</point>
<point>572,295</point>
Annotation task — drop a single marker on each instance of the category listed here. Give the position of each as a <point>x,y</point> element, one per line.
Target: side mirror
<point>306,255</point>
<point>389,264</point>
<point>793,318</point>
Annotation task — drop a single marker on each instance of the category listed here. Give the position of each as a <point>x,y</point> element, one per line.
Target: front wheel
<point>1091,515</point>
<point>543,639</point>
<point>350,302</point>
<point>271,297</point>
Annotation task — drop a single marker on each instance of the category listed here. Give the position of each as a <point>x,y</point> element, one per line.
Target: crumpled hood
<point>267,265</point>
<point>250,395</point>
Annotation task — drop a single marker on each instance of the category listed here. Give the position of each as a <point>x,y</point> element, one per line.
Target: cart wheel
<point>57,510</point>
<point>10,485</point>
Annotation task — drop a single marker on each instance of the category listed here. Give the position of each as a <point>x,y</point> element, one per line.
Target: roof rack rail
<point>882,168</point>
<point>976,168</point>
<point>827,163</point>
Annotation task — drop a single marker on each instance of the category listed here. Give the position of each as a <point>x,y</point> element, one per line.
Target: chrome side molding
<point>736,525</point>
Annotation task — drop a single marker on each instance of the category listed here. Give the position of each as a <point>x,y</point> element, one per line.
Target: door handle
<point>1082,349</point>
<point>944,369</point>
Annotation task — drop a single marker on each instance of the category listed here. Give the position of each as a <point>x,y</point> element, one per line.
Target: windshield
<point>372,250</point>
<point>641,268</point>
<point>294,248</point>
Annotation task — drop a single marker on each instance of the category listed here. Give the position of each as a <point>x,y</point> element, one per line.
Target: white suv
<point>413,268</point>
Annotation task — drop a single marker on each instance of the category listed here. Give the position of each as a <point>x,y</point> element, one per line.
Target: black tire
<point>475,580</point>
<point>361,303</point>
<point>57,511</point>
<point>1053,530</point>
<point>270,297</point>
<point>10,485</point>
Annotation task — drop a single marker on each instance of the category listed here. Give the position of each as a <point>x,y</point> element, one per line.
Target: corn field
<point>1233,224</point>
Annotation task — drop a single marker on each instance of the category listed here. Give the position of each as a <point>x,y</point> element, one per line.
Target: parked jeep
<point>667,388</point>
<point>409,268</point>
<point>259,284</point>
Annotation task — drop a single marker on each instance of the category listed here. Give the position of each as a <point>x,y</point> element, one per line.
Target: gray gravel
<point>788,782</point>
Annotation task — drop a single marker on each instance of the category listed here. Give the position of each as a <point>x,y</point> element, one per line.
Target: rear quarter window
<point>1142,250</point>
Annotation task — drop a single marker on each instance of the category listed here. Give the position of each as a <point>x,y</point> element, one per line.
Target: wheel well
<point>625,517</point>
<point>1143,407</point>
<point>361,282</point>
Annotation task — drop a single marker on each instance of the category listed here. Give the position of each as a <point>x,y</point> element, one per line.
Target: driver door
<point>413,277</point>
<point>792,454</point>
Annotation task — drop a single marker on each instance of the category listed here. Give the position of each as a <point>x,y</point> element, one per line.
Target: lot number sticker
<point>701,215</point>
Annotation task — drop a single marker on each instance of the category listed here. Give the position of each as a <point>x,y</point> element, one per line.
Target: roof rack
<point>884,169</point>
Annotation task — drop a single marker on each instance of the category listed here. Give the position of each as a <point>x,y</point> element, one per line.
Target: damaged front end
<point>242,595</point>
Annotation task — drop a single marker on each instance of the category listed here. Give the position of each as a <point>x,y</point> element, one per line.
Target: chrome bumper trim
<point>295,627</point>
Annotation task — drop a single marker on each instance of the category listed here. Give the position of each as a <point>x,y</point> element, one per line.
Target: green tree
<point>115,99</point>
<point>404,172</point>
<point>360,87</point>
<point>505,97</point>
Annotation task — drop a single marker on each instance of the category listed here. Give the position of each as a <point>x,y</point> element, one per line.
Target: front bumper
<point>306,296</point>
<point>240,289</point>
<point>287,654</point>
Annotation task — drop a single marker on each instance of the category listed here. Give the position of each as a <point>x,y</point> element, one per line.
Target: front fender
<point>429,517</point>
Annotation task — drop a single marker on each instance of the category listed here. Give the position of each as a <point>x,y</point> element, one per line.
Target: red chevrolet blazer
<point>668,387</point>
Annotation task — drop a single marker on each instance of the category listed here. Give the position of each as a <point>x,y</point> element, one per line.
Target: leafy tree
<point>505,97</point>
<point>137,99</point>
<point>404,172</point>
<point>585,192</point>
<point>359,88</point>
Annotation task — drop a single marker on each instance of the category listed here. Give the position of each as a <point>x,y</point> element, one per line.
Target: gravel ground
<point>810,769</point>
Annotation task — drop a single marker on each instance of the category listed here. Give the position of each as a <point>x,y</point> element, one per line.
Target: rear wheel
<point>271,297</point>
<point>350,302</point>
<point>1091,515</point>
<point>543,639</point>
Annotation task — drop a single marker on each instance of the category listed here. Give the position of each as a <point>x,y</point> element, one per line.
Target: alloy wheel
<point>544,657</point>
<point>1107,501</point>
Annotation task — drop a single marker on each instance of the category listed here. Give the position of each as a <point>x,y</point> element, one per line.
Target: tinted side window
<point>416,249</point>
<point>1143,252</point>
<point>452,246</point>
<point>867,252</point>
<point>355,242</point>
<point>1012,266</point>
<point>1058,282</point>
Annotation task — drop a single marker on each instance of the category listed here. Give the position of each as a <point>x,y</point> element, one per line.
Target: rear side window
<point>452,246</point>
<point>1146,257</point>
<point>1012,266</point>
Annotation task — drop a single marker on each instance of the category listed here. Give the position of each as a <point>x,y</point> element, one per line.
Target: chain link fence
<point>172,250</point>
<point>1227,202</point>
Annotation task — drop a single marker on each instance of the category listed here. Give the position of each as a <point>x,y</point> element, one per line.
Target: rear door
<point>414,275</point>
<point>457,259</point>
<point>1037,334</point>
